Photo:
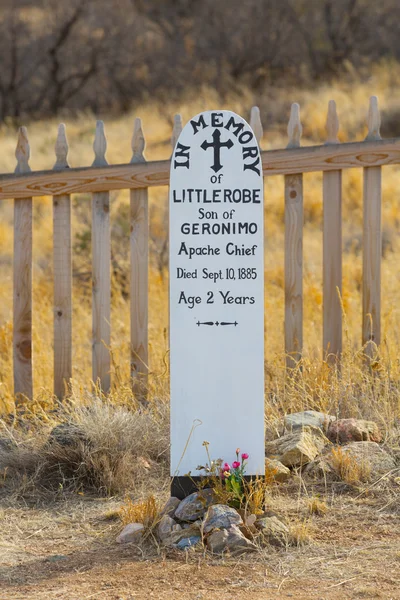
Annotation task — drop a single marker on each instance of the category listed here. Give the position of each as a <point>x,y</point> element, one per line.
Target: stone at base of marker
<point>297,448</point>
<point>229,540</point>
<point>131,534</point>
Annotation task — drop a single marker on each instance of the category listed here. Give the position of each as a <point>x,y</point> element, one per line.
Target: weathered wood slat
<point>176,131</point>
<point>62,260</point>
<point>332,264</point>
<point>139,244</point>
<point>372,248</point>
<point>255,123</point>
<point>101,273</point>
<point>332,249</point>
<point>372,241</point>
<point>133,176</point>
<point>294,250</point>
<point>22,282</point>
<point>139,285</point>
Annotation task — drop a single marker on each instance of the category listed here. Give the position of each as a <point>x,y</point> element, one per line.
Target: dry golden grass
<point>349,469</point>
<point>255,493</point>
<point>300,532</point>
<point>101,447</point>
<point>316,506</point>
<point>354,391</point>
<point>146,512</point>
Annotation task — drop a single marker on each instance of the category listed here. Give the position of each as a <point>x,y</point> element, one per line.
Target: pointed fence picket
<point>294,249</point>
<point>137,176</point>
<point>372,240</point>
<point>22,283</point>
<point>62,261</point>
<point>332,248</point>
<point>139,247</point>
<point>101,271</point>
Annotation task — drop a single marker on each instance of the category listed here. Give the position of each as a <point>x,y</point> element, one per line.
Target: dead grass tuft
<point>300,532</point>
<point>146,512</point>
<point>255,492</point>
<point>348,468</point>
<point>100,448</point>
<point>316,506</point>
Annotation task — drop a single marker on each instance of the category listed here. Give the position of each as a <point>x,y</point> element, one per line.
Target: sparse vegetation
<point>348,468</point>
<point>146,511</point>
<point>300,532</point>
<point>99,447</point>
<point>316,506</point>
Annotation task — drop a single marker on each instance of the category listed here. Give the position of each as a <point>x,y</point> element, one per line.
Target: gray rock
<point>273,530</point>
<point>373,460</point>
<point>220,516</point>
<point>170,506</point>
<point>56,557</point>
<point>297,448</point>
<point>275,470</point>
<point>318,468</point>
<point>166,527</point>
<point>176,536</point>
<point>67,434</point>
<point>194,506</point>
<point>395,452</point>
<point>231,539</point>
<point>131,533</point>
<point>308,417</point>
<point>195,525</point>
<point>188,542</point>
<point>7,444</point>
<point>370,461</point>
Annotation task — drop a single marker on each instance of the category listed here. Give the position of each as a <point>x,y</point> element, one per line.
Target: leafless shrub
<point>101,448</point>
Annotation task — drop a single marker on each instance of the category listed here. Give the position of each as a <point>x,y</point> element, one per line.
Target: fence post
<point>101,276</point>
<point>176,131</point>
<point>62,261</point>
<point>294,250</point>
<point>255,123</point>
<point>139,279</point>
<point>22,280</point>
<point>372,242</point>
<point>332,248</point>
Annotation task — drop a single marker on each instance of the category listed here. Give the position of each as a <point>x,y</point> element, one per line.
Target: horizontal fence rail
<point>137,176</point>
<point>156,173</point>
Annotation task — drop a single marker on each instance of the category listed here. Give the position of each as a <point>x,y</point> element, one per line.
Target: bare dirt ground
<point>68,551</point>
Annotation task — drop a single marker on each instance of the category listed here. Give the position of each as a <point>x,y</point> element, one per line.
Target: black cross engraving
<point>217,145</point>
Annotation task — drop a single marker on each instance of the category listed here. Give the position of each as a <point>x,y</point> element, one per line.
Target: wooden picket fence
<point>137,176</point>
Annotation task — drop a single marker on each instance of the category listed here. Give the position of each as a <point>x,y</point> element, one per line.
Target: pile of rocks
<point>309,439</point>
<point>198,520</point>
<point>306,445</point>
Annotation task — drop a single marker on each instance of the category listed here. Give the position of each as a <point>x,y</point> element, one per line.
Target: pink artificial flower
<point>245,456</point>
<point>235,464</point>
<point>226,467</point>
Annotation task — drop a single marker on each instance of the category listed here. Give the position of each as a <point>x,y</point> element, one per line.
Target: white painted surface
<point>217,371</point>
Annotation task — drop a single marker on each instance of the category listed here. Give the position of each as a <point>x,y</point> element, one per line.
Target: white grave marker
<point>216,295</point>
